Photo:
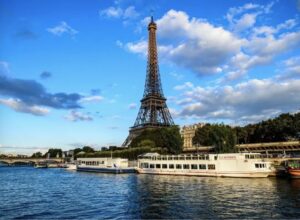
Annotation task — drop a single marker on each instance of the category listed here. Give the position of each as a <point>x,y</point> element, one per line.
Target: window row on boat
<point>179,166</point>
<point>91,163</point>
<point>177,157</point>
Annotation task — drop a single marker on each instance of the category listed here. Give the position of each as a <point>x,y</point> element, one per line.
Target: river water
<point>29,193</point>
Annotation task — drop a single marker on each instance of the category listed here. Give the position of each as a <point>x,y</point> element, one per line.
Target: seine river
<point>29,193</point>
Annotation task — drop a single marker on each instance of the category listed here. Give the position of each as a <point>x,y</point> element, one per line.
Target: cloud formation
<point>117,12</point>
<point>204,48</point>
<point>75,116</point>
<point>62,28</point>
<point>20,106</point>
<point>30,96</point>
<point>91,99</point>
<point>249,101</point>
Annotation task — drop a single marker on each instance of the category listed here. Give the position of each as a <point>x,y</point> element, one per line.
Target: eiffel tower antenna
<point>153,112</point>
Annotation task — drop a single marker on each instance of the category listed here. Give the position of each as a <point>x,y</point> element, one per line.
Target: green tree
<point>88,149</point>
<point>221,137</point>
<point>168,139</point>
<point>37,155</point>
<point>54,152</point>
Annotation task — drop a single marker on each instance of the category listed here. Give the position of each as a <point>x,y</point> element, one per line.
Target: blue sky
<point>72,72</point>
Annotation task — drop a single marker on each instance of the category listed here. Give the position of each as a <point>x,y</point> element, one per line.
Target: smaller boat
<point>41,164</point>
<point>104,165</point>
<point>293,168</point>
<point>71,166</point>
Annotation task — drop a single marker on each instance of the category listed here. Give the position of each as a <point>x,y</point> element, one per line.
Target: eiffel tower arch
<point>154,112</point>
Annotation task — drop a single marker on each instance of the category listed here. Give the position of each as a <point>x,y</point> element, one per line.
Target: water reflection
<point>56,193</point>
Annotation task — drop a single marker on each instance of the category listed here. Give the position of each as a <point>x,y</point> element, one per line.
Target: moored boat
<point>293,168</point>
<point>217,165</point>
<point>41,164</point>
<point>71,166</point>
<point>104,165</point>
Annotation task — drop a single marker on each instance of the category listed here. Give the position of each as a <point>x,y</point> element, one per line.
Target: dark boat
<point>293,168</point>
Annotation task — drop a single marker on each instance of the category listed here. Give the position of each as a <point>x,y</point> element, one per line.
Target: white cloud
<point>62,28</point>
<point>111,12</point>
<point>291,69</point>
<point>20,106</point>
<point>251,99</point>
<point>130,13</point>
<point>207,49</point>
<point>246,21</point>
<point>139,47</point>
<point>91,99</point>
<point>192,43</point>
<point>132,106</point>
<point>77,116</point>
<point>4,67</point>
<point>184,86</point>
<point>117,12</point>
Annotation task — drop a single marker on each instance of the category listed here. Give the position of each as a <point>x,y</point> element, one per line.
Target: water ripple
<point>28,193</point>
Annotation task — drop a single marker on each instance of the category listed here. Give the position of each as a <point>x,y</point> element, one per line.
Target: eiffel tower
<point>153,112</point>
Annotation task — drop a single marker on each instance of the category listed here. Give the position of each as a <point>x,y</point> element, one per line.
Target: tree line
<point>285,127</point>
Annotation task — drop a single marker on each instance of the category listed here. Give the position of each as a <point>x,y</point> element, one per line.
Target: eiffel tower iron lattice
<point>153,112</point>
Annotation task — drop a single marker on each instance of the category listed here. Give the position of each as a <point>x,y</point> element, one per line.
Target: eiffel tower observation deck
<point>153,112</point>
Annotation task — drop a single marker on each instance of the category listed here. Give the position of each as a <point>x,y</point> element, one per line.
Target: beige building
<point>187,133</point>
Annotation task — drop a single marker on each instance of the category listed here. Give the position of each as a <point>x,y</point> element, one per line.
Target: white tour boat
<point>218,165</point>
<point>104,165</point>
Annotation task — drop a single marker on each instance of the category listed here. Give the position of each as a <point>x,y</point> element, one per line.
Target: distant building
<point>187,133</point>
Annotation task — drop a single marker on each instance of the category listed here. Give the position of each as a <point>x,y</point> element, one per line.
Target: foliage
<point>222,137</point>
<point>129,153</point>
<point>37,155</point>
<point>54,152</point>
<point>88,149</point>
<point>285,127</point>
<point>168,139</point>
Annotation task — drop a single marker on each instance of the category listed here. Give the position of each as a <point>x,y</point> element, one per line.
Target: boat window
<point>211,167</point>
<point>195,158</point>
<point>164,158</point>
<point>216,157</point>
<point>202,166</point>
<point>157,166</point>
<point>206,157</point>
<point>171,166</point>
<point>251,156</point>
<point>247,156</point>
<point>181,158</point>
<point>153,158</point>
<point>158,158</point>
<point>144,165</point>
<point>194,166</point>
<point>186,166</point>
<point>188,158</point>
<point>152,166</point>
<point>170,158</point>
<point>178,166</point>
<point>165,166</point>
<point>202,157</point>
<point>175,158</point>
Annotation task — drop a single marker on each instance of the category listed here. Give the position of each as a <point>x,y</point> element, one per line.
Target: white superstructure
<point>220,165</point>
<point>104,165</point>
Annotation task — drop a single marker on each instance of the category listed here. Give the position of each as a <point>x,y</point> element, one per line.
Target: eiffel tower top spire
<point>153,83</point>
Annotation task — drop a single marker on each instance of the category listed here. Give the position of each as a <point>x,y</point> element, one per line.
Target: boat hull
<point>294,173</point>
<point>106,170</point>
<point>208,174</point>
